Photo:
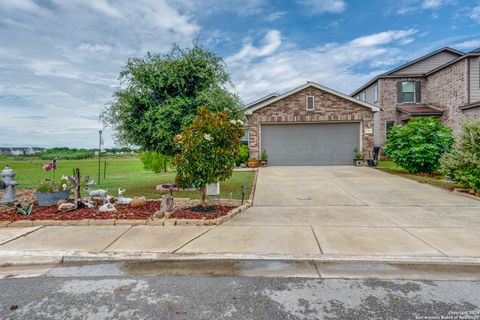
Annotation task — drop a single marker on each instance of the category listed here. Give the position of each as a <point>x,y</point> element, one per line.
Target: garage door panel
<point>310,144</point>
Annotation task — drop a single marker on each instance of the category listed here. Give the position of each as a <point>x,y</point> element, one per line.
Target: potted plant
<point>264,158</point>
<point>358,157</point>
<point>48,192</point>
<point>253,162</point>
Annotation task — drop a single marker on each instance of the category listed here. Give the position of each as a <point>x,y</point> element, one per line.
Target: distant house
<point>19,151</point>
<point>444,84</point>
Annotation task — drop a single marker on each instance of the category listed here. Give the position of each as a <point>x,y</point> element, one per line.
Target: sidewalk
<point>35,245</point>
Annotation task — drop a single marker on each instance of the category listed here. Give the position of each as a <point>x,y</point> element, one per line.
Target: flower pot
<point>358,162</point>
<point>51,198</point>
<point>264,163</point>
<point>253,163</point>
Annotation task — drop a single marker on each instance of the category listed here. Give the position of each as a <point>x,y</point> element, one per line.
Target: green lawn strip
<point>126,173</point>
<point>437,180</point>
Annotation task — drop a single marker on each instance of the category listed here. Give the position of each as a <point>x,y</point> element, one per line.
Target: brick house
<point>310,125</point>
<point>443,84</point>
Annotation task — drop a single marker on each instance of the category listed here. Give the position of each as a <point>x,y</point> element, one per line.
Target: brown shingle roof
<point>421,110</point>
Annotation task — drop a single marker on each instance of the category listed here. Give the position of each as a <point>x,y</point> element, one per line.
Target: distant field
<point>126,173</point>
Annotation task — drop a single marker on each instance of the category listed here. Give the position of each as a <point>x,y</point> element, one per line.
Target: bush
<point>463,163</point>
<point>419,145</point>
<point>66,154</point>
<point>209,147</point>
<point>154,161</point>
<point>243,155</point>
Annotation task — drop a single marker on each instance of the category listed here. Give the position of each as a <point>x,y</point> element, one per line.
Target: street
<point>231,297</point>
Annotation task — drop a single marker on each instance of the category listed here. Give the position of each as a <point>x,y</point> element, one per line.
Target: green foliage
<point>419,145</point>
<point>160,95</point>
<point>209,147</point>
<point>50,186</point>
<point>66,154</point>
<point>358,153</point>
<point>243,154</point>
<point>264,155</point>
<point>154,161</point>
<point>463,162</point>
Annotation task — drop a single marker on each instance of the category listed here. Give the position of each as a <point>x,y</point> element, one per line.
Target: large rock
<point>138,202</point>
<point>66,206</point>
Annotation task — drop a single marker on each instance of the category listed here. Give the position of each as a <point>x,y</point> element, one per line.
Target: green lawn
<point>435,180</point>
<point>125,173</point>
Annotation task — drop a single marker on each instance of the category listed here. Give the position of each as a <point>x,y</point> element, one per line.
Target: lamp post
<point>99,153</point>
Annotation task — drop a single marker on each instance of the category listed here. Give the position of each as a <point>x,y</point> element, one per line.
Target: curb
<point>32,257</point>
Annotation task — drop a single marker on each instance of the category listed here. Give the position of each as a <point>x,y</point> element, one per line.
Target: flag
<point>52,165</point>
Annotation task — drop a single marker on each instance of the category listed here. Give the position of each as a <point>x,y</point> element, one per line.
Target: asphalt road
<point>205,297</point>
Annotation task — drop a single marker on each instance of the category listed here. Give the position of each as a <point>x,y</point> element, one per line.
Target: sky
<point>60,59</point>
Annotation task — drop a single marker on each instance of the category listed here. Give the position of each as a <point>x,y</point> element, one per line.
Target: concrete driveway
<point>346,210</point>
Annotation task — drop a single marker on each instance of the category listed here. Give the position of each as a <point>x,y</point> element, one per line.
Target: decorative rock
<point>61,201</point>
<point>170,222</point>
<point>66,206</point>
<point>138,202</point>
<point>107,207</point>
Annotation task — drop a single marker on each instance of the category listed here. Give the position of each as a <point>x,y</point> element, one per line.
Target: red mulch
<point>51,213</point>
<point>187,213</point>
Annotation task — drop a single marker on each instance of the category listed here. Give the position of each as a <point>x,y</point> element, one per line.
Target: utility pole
<point>99,153</point>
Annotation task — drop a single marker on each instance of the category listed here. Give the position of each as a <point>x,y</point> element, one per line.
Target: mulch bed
<point>213,212</point>
<point>51,213</point>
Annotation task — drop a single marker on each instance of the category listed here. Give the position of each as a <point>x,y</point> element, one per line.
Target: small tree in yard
<point>463,163</point>
<point>419,145</point>
<point>209,147</point>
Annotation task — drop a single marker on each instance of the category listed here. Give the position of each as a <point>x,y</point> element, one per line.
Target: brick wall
<point>328,107</point>
<point>447,90</point>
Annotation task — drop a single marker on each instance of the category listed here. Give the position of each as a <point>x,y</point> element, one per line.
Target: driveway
<point>346,210</point>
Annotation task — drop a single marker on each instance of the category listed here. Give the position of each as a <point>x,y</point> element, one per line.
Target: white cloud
<point>105,7</point>
<point>324,6</point>
<point>471,44</point>
<point>432,4</point>
<point>94,48</point>
<point>23,5</point>
<point>275,15</point>
<point>475,14</point>
<point>412,6</point>
<point>273,40</point>
<point>333,65</point>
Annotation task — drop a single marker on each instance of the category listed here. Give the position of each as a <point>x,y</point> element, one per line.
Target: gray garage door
<point>310,144</point>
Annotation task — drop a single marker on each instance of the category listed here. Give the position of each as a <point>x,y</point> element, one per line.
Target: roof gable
<point>255,107</point>
<point>427,62</point>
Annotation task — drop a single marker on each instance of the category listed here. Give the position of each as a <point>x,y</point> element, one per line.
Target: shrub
<point>419,145</point>
<point>154,161</point>
<point>243,154</point>
<point>463,163</point>
<point>66,154</point>
<point>209,147</point>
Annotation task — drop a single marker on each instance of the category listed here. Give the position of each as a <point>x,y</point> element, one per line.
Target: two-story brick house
<point>444,84</point>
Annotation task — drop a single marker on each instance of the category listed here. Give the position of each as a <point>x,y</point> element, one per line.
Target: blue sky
<point>59,59</point>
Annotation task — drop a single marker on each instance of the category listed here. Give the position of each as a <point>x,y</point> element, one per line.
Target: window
<point>388,126</point>
<point>375,92</point>
<point>310,103</point>
<point>408,91</point>
<point>363,96</point>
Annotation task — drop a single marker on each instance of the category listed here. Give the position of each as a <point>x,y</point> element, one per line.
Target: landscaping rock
<point>170,222</point>
<point>66,206</point>
<point>138,202</point>
<point>60,202</point>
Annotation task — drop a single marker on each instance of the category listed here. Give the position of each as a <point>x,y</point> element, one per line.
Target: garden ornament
<point>167,204</point>
<point>96,193</point>
<point>8,184</point>
<point>121,199</point>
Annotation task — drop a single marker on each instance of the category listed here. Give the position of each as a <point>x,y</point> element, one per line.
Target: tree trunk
<point>203,196</point>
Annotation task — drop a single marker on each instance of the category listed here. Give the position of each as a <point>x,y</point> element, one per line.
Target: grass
<point>437,180</point>
<point>126,173</point>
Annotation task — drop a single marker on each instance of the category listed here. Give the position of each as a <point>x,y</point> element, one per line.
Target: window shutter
<point>418,91</point>
<point>399,92</point>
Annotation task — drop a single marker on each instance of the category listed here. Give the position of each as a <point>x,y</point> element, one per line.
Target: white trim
<point>375,92</point>
<point>313,103</point>
<point>271,95</point>
<point>250,110</point>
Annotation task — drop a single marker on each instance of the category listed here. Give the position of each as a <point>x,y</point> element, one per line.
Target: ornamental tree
<point>419,145</point>
<point>208,148</point>
<point>159,96</point>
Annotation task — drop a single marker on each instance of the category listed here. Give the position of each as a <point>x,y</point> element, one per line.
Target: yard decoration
<point>264,158</point>
<point>121,199</point>
<point>96,193</point>
<point>418,145</point>
<point>167,204</point>
<point>358,157</point>
<point>160,95</point>
<point>107,207</point>
<point>75,181</point>
<point>49,193</point>
<point>24,210</point>
<point>8,184</point>
<point>52,165</point>
<point>209,147</point>
<point>463,162</point>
